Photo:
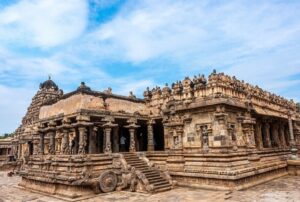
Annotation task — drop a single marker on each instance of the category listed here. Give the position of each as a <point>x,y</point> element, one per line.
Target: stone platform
<point>279,190</point>
<point>217,171</point>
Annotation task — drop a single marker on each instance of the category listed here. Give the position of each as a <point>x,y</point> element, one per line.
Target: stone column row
<point>274,133</point>
<point>61,142</point>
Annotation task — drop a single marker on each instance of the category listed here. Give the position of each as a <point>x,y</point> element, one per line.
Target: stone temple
<point>216,133</point>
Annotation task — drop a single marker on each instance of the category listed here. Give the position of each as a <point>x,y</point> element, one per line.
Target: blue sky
<point>129,45</point>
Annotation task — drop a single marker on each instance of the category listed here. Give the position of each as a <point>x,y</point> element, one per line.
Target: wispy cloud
<point>129,45</point>
<point>43,24</point>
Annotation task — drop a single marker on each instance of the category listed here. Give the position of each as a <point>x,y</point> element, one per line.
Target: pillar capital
<point>84,118</point>
<point>82,129</point>
<point>151,122</point>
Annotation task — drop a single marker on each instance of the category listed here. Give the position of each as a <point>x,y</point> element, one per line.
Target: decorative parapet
<point>220,85</point>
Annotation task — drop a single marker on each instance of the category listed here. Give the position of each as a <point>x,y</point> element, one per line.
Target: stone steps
<point>153,175</point>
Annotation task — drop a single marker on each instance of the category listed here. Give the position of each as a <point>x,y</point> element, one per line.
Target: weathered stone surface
<point>282,189</point>
<point>218,133</point>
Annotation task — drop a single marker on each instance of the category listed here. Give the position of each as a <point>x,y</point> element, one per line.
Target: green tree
<point>6,135</point>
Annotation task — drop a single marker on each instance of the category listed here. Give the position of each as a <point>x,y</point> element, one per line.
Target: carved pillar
<point>65,142</point>
<point>107,133</point>
<point>292,140</point>
<point>287,135</point>
<point>258,135</point>
<point>132,140</point>
<point>281,135</point>
<point>58,143</point>
<point>220,128</point>
<point>150,146</point>
<point>249,133</point>
<point>166,137</point>
<point>275,134</point>
<point>82,140</point>
<point>107,128</point>
<point>205,137</point>
<point>132,129</point>
<point>52,142</point>
<point>241,140</point>
<point>35,146</point>
<point>291,132</point>
<point>267,135</point>
<point>41,144</point>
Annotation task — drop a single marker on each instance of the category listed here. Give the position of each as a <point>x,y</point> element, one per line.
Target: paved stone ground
<point>279,190</point>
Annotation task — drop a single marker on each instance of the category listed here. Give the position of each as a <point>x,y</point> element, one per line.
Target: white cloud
<point>44,24</point>
<point>12,104</point>
<point>179,29</point>
<point>256,41</point>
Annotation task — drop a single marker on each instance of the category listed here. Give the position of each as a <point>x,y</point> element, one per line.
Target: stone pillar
<point>292,140</point>
<point>281,135</point>
<point>132,140</point>
<point>240,138</point>
<point>258,135</point>
<point>205,139</point>
<point>82,140</point>
<point>35,147</point>
<point>150,146</point>
<point>287,135</point>
<point>116,139</point>
<point>132,129</point>
<point>275,133</point>
<point>52,142</point>
<point>92,140</point>
<point>291,132</point>
<point>248,130</point>
<point>166,137</point>
<point>267,134</point>
<point>107,133</point>
<point>65,142</point>
<point>41,144</point>
<point>104,140</point>
<point>58,145</point>
<point>20,151</point>
<point>220,129</point>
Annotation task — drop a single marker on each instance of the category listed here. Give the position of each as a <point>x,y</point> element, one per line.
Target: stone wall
<point>78,102</point>
<point>70,176</point>
<point>222,171</point>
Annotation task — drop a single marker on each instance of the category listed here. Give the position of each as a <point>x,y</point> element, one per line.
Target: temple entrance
<point>158,139</point>
<point>141,136</point>
<point>123,139</point>
<point>100,142</point>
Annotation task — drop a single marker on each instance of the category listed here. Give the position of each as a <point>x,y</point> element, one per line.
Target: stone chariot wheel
<point>108,181</point>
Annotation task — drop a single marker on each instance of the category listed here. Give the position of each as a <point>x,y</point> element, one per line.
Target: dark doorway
<point>158,133</point>
<point>141,136</point>
<point>30,147</point>
<point>124,137</point>
<point>99,142</point>
<point>264,137</point>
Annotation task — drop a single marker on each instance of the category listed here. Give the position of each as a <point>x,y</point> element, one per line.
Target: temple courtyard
<point>281,190</point>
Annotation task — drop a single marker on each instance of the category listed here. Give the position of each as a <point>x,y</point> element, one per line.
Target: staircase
<point>152,174</point>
